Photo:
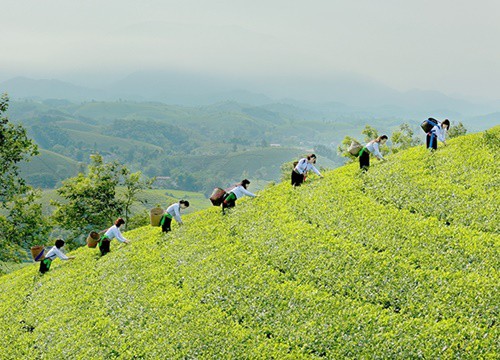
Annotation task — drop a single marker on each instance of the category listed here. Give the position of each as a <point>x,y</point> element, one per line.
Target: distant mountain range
<point>343,95</point>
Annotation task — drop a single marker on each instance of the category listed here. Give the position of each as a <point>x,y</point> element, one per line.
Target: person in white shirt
<point>238,191</point>
<point>53,253</point>
<point>373,148</point>
<point>300,170</point>
<point>173,212</point>
<point>110,234</point>
<point>438,132</point>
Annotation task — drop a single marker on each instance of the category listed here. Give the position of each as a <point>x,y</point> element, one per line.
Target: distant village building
<point>275,145</point>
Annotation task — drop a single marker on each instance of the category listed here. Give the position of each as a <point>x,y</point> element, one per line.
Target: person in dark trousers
<point>173,212</point>
<point>300,170</point>
<point>110,234</point>
<point>238,191</point>
<point>54,252</point>
<point>438,132</point>
<point>371,147</point>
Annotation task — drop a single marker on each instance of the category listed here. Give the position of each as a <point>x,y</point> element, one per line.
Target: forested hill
<point>400,262</point>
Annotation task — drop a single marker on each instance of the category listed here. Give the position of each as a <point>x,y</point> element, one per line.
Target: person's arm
<point>316,171</point>
<point>119,236</point>
<point>177,214</point>
<point>61,255</point>
<point>246,192</point>
<point>441,134</point>
<point>376,151</point>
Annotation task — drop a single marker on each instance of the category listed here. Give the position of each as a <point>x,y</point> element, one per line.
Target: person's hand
<point>127,242</point>
<point>71,257</point>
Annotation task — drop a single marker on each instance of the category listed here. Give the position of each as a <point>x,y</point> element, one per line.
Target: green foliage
<point>370,133</point>
<point>21,221</point>
<point>133,184</point>
<point>491,140</point>
<point>403,138</point>
<point>93,201</point>
<point>15,147</point>
<point>137,220</point>
<point>446,186</point>
<point>23,226</point>
<point>355,265</point>
<point>286,170</point>
<point>457,130</point>
<point>8,267</point>
<point>90,201</point>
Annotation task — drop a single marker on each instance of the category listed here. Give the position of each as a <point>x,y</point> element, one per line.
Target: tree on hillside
<point>403,138</point>
<point>21,221</point>
<point>92,201</point>
<point>370,133</point>
<point>23,226</point>
<point>15,146</point>
<point>134,184</point>
<point>457,130</point>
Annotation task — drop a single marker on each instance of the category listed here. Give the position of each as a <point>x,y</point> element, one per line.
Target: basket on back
<point>38,252</point>
<point>354,148</point>
<point>155,216</point>
<point>217,196</point>
<point>428,124</point>
<point>92,239</point>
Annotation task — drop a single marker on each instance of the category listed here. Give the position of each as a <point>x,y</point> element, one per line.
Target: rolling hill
<point>400,262</point>
<point>48,168</point>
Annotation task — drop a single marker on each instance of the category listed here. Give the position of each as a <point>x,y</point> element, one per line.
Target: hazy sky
<point>443,45</point>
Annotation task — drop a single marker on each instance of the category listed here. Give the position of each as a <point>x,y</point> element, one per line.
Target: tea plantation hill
<point>400,262</point>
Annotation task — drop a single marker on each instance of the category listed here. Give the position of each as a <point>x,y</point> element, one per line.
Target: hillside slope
<point>48,168</point>
<point>349,266</point>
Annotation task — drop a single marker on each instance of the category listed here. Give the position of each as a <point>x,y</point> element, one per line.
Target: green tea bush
<point>349,266</point>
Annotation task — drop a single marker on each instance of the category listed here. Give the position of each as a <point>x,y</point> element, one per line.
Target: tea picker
<point>300,170</point>
<point>53,253</point>
<point>435,131</point>
<point>110,234</point>
<point>173,211</point>
<point>238,191</point>
<point>372,147</point>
